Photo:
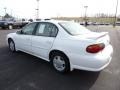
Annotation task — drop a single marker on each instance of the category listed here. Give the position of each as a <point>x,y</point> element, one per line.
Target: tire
<point>60,62</point>
<point>3,27</point>
<point>10,27</point>
<point>12,45</point>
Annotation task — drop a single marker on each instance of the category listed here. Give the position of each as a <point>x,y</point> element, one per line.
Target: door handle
<point>28,39</point>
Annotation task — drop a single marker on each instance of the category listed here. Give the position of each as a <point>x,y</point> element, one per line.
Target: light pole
<point>114,24</point>
<point>85,15</point>
<point>11,12</point>
<point>37,9</point>
<point>5,10</point>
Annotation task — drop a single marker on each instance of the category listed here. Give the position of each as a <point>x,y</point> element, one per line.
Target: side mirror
<point>19,32</point>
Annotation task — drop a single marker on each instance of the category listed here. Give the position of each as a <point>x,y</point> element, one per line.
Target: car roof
<point>52,21</point>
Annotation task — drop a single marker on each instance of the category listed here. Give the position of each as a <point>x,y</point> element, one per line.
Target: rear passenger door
<point>43,39</point>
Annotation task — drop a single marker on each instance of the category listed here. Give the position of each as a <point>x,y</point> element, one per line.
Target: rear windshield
<point>73,28</point>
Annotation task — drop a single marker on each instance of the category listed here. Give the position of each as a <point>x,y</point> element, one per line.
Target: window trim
<point>44,35</point>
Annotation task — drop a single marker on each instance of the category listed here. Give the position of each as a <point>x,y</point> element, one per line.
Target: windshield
<point>74,28</point>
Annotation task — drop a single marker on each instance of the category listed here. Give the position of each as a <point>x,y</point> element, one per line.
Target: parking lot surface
<point>21,71</point>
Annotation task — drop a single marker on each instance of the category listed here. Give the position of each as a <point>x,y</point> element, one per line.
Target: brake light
<point>95,48</point>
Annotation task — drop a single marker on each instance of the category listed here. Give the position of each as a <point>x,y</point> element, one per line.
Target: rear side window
<point>46,29</point>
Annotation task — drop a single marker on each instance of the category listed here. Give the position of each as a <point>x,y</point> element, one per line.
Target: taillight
<point>95,48</point>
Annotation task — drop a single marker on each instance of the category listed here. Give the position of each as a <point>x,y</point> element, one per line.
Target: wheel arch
<point>9,39</point>
<point>58,51</point>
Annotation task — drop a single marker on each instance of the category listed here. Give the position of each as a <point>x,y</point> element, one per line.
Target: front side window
<point>74,28</point>
<point>28,30</point>
<point>46,29</point>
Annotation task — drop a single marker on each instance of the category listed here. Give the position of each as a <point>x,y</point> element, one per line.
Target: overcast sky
<point>53,8</point>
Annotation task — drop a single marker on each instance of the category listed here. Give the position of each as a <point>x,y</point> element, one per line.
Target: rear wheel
<point>60,62</point>
<point>12,46</point>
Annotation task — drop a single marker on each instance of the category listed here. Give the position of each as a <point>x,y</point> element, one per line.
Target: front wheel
<point>12,46</point>
<point>60,62</point>
<point>10,27</point>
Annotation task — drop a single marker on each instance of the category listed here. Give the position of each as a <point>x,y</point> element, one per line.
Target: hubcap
<point>11,46</point>
<point>59,63</point>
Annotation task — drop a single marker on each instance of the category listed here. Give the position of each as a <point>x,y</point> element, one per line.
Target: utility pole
<point>37,9</point>
<point>114,24</point>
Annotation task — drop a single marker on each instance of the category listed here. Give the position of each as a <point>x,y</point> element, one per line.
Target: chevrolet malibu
<point>65,44</point>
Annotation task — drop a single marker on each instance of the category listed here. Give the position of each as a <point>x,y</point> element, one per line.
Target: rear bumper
<point>95,69</point>
<point>93,62</point>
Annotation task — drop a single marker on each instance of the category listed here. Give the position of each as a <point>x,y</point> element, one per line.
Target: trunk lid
<point>101,37</point>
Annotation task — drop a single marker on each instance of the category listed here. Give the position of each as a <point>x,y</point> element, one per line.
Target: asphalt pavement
<point>21,71</point>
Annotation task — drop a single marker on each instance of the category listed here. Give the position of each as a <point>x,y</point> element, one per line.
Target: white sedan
<point>65,44</point>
